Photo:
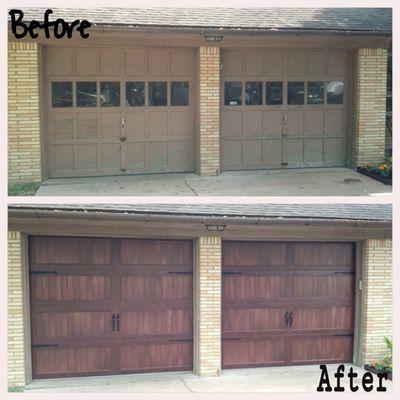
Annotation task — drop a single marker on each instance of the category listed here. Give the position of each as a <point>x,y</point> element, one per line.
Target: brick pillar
<point>370,107</point>
<point>24,143</point>
<point>208,307</point>
<point>376,299</point>
<point>16,324</point>
<point>209,60</point>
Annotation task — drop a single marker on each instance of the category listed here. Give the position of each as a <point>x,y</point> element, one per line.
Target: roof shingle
<point>351,20</point>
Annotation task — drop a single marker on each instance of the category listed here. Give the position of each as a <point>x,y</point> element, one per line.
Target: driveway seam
<point>190,187</point>
<point>187,386</point>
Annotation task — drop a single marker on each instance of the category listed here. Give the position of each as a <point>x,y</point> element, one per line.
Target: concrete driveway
<point>276,379</point>
<point>295,182</point>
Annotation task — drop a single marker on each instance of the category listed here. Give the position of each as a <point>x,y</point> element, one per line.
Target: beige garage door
<point>284,108</point>
<point>119,110</point>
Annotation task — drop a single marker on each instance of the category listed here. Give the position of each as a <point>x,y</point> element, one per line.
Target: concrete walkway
<point>276,379</point>
<point>295,182</point>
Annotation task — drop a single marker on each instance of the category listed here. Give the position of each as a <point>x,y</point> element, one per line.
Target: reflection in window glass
<point>334,92</point>
<point>253,93</point>
<point>233,93</point>
<point>134,94</point>
<point>86,94</point>
<point>179,93</point>
<point>109,94</point>
<point>61,94</point>
<point>315,92</point>
<point>274,93</point>
<point>158,93</point>
<point>295,93</point>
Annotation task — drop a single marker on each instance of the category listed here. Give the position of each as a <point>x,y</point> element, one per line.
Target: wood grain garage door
<point>109,306</point>
<point>113,111</point>
<point>285,108</point>
<point>287,303</point>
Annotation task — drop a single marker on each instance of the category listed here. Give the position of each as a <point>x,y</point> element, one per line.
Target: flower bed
<point>381,172</point>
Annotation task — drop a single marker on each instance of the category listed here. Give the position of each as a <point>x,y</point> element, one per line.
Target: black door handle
<point>290,319</point>
<point>287,318</point>
<point>117,322</point>
<point>113,322</point>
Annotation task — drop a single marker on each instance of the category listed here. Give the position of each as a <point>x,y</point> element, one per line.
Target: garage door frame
<point>349,156</point>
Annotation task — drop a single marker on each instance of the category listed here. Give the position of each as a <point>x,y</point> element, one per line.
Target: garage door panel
<point>180,155</point>
<point>156,357</point>
<point>156,322</point>
<point>182,124</point>
<point>233,63</point>
<point>70,325</point>
<point>135,123</point>
<point>135,156</point>
<point>275,64</point>
<point>335,122</point>
<point>86,62</point>
<point>323,286</point>
<point>254,254</point>
<point>135,62</point>
<point>158,62</point>
<point>232,124</point>
<point>110,156</point>
<point>254,63</point>
<point>295,122</point>
<point>86,156</point>
<point>253,320</point>
<point>60,62</point>
<point>255,288</point>
<point>272,122</point>
<point>314,151</point>
<point>69,288</point>
<point>78,361</point>
<point>322,349</point>
<point>252,152</point>
<point>247,352</point>
<point>86,125</point>
<point>61,126</point>
<point>65,250</point>
<point>156,252</point>
<point>337,64</point>
<point>253,123</point>
<point>316,65</point>
<point>182,62</point>
<point>296,64</point>
<point>293,151</point>
<point>323,254</point>
<point>325,318</point>
<point>110,125</point>
<point>272,151</point>
<point>314,125</point>
<point>158,123</point>
<point>334,151</point>
<point>110,62</point>
<point>62,158</point>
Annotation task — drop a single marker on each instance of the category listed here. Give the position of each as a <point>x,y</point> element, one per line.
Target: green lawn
<point>16,389</point>
<point>23,189</point>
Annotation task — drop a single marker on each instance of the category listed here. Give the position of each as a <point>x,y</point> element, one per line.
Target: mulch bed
<point>378,177</point>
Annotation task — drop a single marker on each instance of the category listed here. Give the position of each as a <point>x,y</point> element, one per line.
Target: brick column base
<point>208,307</point>
<point>16,324</point>
<point>209,60</point>
<point>24,142</point>
<point>370,107</point>
<point>377,299</point>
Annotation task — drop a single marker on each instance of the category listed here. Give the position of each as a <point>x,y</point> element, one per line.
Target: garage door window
<point>274,93</point>
<point>110,94</point>
<point>295,93</point>
<point>253,95</point>
<point>180,93</point>
<point>61,94</point>
<point>335,91</point>
<point>315,92</point>
<point>158,93</point>
<point>233,93</point>
<point>135,94</point>
<point>86,94</point>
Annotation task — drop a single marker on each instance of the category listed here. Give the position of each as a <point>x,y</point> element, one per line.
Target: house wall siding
<point>209,87</point>
<point>377,299</point>
<point>370,107</point>
<point>16,346</point>
<point>24,140</point>
<point>208,307</point>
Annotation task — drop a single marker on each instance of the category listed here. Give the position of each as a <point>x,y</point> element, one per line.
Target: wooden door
<point>287,303</point>
<point>109,306</point>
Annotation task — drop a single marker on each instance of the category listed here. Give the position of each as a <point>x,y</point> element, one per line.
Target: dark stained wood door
<point>287,303</point>
<point>104,306</point>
